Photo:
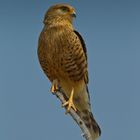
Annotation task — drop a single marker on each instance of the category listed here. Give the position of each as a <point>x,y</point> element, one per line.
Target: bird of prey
<point>63,57</point>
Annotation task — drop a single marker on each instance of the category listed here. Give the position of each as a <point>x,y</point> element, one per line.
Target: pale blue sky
<point>111,30</point>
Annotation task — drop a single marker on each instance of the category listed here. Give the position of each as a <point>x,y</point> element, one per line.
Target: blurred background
<point>111,30</point>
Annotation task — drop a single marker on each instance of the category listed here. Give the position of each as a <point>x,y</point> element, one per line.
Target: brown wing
<point>85,51</point>
<point>76,58</point>
<point>82,42</point>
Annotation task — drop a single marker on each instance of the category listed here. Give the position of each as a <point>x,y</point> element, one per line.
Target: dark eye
<point>64,9</point>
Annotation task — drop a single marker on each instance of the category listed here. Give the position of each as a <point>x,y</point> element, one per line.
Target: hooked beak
<point>73,14</point>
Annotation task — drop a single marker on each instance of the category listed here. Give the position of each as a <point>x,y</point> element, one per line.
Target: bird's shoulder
<point>82,42</point>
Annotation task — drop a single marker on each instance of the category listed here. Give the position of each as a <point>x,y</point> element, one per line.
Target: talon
<point>55,86</point>
<point>70,103</point>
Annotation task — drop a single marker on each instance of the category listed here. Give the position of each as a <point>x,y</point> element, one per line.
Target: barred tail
<point>84,111</point>
<point>91,124</point>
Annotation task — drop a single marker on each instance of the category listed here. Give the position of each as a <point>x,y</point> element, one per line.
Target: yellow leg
<point>55,86</point>
<point>70,103</point>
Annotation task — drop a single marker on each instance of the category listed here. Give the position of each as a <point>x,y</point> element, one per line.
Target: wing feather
<point>85,52</point>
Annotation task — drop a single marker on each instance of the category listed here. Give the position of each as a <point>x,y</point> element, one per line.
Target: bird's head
<point>60,12</point>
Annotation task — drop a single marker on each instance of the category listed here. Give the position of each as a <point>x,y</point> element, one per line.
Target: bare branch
<point>60,95</point>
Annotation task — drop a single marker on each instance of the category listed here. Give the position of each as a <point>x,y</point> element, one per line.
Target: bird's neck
<point>58,22</point>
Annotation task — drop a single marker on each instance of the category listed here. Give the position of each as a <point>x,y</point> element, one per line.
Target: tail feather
<point>82,103</point>
<point>95,127</point>
<point>84,111</point>
<point>91,123</point>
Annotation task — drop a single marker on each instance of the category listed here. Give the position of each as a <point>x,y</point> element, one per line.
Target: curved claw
<point>55,86</point>
<point>70,103</point>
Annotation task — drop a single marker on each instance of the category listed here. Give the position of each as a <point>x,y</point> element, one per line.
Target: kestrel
<point>63,57</point>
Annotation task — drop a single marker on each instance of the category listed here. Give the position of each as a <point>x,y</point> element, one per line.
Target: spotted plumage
<point>63,57</point>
